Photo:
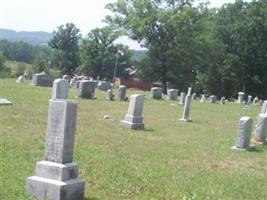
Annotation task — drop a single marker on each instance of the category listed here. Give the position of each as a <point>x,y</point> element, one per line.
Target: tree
<point>98,54</point>
<point>153,24</point>
<point>65,44</point>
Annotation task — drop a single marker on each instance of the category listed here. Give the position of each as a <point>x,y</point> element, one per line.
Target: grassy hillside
<point>170,159</point>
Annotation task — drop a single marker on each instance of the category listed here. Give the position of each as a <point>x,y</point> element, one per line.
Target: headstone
<point>156,93</point>
<point>222,100</point>
<point>57,176</point>
<point>249,100</point>
<point>194,96</point>
<point>172,94</point>
<point>5,102</point>
<point>261,128</point>
<point>187,106</point>
<point>241,97</point>
<point>60,89</point>
<point>243,134</point>
<point>182,98</point>
<point>202,98</point>
<point>104,85</point>
<point>21,79</point>
<point>134,119</point>
<point>67,77</point>
<point>212,99</point>
<point>43,80</point>
<point>110,95</point>
<point>264,107</point>
<point>189,91</point>
<point>122,93</point>
<point>86,89</point>
<point>260,102</point>
<point>255,100</point>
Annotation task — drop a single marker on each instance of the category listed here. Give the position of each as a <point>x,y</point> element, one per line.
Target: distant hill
<point>32,37</point>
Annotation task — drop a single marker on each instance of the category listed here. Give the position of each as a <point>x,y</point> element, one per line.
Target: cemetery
<point>164,158</point>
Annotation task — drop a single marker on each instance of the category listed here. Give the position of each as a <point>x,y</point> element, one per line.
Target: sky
<point>47,15</point>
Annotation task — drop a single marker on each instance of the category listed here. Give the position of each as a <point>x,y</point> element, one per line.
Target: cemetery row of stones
<point>57,175</point>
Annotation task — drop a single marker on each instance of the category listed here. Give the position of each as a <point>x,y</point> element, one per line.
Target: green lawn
<point>170,159</point>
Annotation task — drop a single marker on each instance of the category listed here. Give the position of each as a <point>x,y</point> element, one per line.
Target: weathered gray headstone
<point>110,95</point>
<point>104,85</point>
<point>202,98</point>
<point>57,176</point>
<point>21,79</point>
<point>67,77</point>
<point>212,99</point>
<point>86,89</point>
<point>243,134</point>
<point>194,96</point>
<point>172,94</point>
<point>264,107</point>
<point>134,119</point>
<point>182,98</point>
<point>222,100</point>
<point>60,89</point>
<point>156,93</point>
<point>261,128</point>
<point>241,97</point>
<point>249,100</point>
<point>43,80</point>
<point>189,91</point>
<point>122,93</point>
<point>187,106</point>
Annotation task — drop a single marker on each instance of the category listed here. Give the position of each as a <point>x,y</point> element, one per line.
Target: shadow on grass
<point>149,130</point>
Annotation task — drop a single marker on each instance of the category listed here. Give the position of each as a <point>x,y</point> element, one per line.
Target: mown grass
<point>170,159</point>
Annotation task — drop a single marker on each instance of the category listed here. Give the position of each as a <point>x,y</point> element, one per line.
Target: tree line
<point>217,51</point>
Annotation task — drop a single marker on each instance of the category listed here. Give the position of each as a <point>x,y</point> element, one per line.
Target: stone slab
<point>5,102</point>
<point>131,125</point>
<point>48,189</point>
<point>43,80</point>
<point>57,171</point>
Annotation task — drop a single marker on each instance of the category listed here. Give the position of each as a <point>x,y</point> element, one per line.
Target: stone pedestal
<point>241,97</point>
<point>172,94</point>
<point>156,93</point>
<point>187,106</point>
<point>243,134</point>
<point>122,93</point>
<point>87,89</point>
<point>57,176</point>
<point>261,129</point>
<point>134,119</point>
<point>182,98</point>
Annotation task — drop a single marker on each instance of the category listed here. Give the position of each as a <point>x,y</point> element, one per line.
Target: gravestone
<point>43,80</point>
<point>21,79</point>
<point>67,77</point>
<point>249,100</point>
<point>60,89</point>
<point>189,91</point>
<point>222,100</point>
<point>187,106</point>
<point>57,175</point>
<point>264,107</point>
<point>110,95</point>
<point>212,99</point>
<point>134,119</point>
<point>86,89</point>
<point>5,102</point>
<point>172,94</point>
<point>261,128</point>
<point>243,134</point>
<point>202,98</point>
<point>241,97</point>
<point>122,93</point>
<point>156,93</point>
<point>194,96</point>
<point>104,85</point>
<point>182,98</point>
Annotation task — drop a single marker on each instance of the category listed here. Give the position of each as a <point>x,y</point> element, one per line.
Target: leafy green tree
<point>65,44</point>
<point>152,23</point>
<point>2,61</point>
<point>99,53</point>
<point>40,65</point>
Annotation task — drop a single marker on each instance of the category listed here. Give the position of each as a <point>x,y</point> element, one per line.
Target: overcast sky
<point>46,15</point>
